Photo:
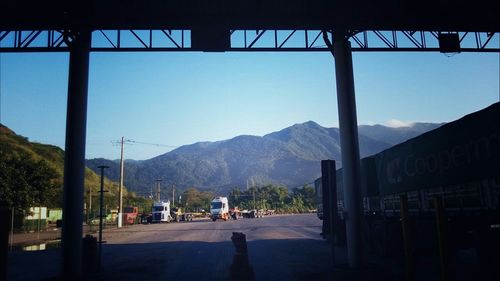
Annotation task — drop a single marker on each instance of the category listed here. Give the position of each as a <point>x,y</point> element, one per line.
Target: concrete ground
<point>51,233</point>
<point>279,248</point>
<point>286,247</point>
<point>19,239</point>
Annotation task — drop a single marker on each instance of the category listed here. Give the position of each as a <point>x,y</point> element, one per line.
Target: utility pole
<point>158,194</point>
<point>89,212</point>
<point>253,198</point>
<point>173,195</point>
<point>120,192</point>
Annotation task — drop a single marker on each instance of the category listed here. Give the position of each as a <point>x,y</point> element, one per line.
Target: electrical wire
<point>153,144</point>
<point>133,142</point>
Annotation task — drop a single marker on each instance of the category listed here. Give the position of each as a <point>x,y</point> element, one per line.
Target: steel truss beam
<point>243,40</point>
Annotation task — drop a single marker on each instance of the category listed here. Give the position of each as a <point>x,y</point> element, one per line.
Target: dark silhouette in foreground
<point>240,268</point>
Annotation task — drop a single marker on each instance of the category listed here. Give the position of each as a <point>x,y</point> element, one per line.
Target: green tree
<point>266,197</point>
<point>235,197</point>
<point>143,204</point>
<point>195,200</point>
<point>278,196</point>
<point>307,193</point>
<point>27,182</point>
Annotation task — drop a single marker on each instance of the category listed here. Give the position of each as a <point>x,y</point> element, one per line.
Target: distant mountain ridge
<point>395,135</point>
<point>289,157</point>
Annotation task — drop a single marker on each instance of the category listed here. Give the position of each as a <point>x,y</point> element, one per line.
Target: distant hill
<point>290,157</point>
<point>397,135</point>
<point>12,144</point>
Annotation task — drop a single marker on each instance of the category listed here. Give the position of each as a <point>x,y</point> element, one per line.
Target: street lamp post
<point>100,211</point>
<point>120,191</point>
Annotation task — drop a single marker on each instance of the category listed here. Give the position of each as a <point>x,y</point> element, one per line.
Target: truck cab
<point>219,208</point>
<point>161,212</point>
<point>129,215</point>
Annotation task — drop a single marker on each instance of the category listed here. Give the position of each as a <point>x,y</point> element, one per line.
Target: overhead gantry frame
<point>38,26</point>
<point>19,41</point>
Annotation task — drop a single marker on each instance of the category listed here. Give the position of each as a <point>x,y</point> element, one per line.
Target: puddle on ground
<point>37,246</point>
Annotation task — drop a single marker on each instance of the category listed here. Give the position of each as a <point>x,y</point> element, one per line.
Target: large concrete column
<point>326,181</point>
<point>350,147</point>
<point>6,215</point>
<point>74,157</point>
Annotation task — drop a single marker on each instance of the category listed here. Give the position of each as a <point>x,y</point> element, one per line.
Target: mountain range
<point>289,157</point>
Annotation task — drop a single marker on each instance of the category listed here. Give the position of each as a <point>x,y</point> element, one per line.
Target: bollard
<point>240,268</point>
<point>90,261</point>
<point>240,242</point>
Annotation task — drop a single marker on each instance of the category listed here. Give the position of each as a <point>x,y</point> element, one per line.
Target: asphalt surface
<point>287,247</point>
<point>50,234</point>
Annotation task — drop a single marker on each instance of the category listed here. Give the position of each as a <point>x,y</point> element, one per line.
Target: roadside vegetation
<point>31,175</point>
<point>268,197</point>
<point>272,197</point>
<point>194,200</point>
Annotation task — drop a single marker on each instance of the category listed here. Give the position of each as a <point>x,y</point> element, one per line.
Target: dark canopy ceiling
<point>438,15</point>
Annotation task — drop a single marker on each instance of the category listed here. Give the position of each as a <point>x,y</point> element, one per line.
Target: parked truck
<point>129,215</point>
<point>219,208</point>
<point>161,212</point>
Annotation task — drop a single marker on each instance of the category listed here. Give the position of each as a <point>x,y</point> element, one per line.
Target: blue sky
<point>182,98</point>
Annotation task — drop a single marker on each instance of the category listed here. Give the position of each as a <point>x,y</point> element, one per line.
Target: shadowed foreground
<point>279,248</point>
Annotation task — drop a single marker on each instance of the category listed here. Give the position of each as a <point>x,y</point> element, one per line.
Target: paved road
<point>50,234</point>
<point>280,248</point>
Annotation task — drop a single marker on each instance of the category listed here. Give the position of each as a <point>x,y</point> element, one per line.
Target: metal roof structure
<point>245,41</point>
<point>241,25</point>
<point>442,15</point>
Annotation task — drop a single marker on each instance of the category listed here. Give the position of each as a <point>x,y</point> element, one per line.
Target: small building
<point>33,220</point>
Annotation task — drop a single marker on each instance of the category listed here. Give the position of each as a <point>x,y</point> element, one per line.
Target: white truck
<point>161,212</point>
<point>219,208</point>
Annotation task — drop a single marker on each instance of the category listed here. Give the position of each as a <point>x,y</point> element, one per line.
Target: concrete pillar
<point>329,196</point>
<point>350,147</point>
<point>74,157</point>
<point>5,231</point>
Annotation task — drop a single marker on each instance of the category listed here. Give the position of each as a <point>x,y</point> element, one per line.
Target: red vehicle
<point>129,215</point>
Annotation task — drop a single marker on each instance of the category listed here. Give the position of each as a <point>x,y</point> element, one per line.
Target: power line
<point>129,141</point>
<point>154,144</point>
